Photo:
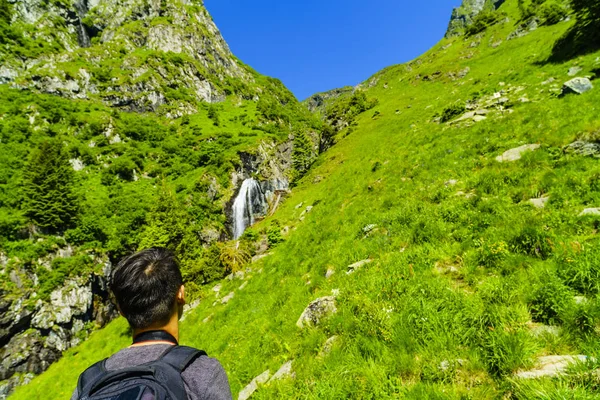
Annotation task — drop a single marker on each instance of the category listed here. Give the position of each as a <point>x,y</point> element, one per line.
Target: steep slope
<point>476,262</point>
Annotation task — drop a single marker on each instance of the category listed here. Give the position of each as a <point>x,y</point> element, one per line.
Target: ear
<point>181,295</point>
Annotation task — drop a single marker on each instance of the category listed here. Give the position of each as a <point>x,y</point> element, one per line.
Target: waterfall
<point>249,202</point>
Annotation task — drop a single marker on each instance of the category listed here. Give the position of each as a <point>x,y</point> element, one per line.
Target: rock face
<point>253,386</point>
<point>32,338</point>
<point>577,86</point>
<point>316,311</point>
<point>462,16</point>
<point>182,48</point>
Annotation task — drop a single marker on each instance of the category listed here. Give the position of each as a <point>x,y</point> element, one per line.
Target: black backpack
<point>156,380</point>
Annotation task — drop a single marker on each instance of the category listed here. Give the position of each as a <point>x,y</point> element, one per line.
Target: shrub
<point>550,300</point>
<point>505,351</point>
<point>533,242</point>
<point>234,256</point>
<point>482,21</point>
<point>451,112</point>
<point>581,271</point>
<point>552,13</point>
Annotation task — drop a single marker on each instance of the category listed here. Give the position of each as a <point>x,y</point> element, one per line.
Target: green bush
<point>581,271</point>
<point>451,112</point>
<point>550,300</point>
<point>533,242</point>
<point>482,21</point>
<point>552,13</point>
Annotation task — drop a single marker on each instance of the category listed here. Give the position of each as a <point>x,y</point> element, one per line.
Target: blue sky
<point>317,45</point>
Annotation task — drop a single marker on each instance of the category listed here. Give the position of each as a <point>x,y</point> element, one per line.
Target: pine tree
<point>49,201</point>
<point>303,155</point>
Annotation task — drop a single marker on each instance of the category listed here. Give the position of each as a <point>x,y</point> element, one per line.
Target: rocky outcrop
<point>319,101</point>
<point>577,86</point>
<point>551,366</point>
<point>516,153</point>
<point>182,51</point>
<point>34,333</point>
<point>463,16</point>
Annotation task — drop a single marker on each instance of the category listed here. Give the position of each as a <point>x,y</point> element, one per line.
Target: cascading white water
<point>249,202</point>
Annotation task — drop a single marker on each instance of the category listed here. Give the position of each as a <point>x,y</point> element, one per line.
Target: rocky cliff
<point>463,16</point>
<point>134,54</point>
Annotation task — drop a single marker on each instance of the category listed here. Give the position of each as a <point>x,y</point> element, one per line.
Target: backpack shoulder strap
<point>179,357</point>
<point>90,376</point>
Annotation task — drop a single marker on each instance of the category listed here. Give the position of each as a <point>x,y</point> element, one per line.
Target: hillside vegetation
<point>476,263</point>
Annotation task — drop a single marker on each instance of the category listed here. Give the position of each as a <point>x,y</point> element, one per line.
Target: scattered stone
<point>329,273</point>
<point>299,206</point>
<point>77,164</point>
<point>451,182</point>
<point>539,202</point>
<point>316,311</point>
<point>207,319</point>
<point>253,386</point>
<point>516,153</point>
<point>284,372</point>
<point>580,299</point>
<point>544,330</point>
<point>189,307</point>
<point>462,73</point>
<point>584,148</point>
<point>217,288</point>
<point>577,86</point>
<point>243,285</point>
<point>328,346</point>
<point>227,298</point>
<point>574,71</point>
<point>590,211</point>
<point>306,211</point>
<point>478,118</point>
<point>550,366</point>
<point>548,81</point>
<point>497,44</point>
<point>236,275</point>
<point>357,265</point>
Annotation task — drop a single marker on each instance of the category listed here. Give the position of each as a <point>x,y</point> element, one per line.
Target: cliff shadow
<point>583,38</point>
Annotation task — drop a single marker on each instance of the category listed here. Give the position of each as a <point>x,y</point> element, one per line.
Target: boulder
<point>329,273</point>
<point>516,153</point>
<point>577,86</point>
<point>357,265</point>
<point>551,366</point>
<point>253,386</point>
<point>316,311</point>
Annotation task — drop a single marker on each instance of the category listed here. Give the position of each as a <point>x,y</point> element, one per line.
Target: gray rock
<point>77,164</point>
<point>285,372</point>
<point>66,302</point>
<point>539,202</point>
<point>584,148</point>
<point>328,346</point>
<point>574,71</point>
<point>253,386</point>
<point>516,153</point>
<point>357,265</point>
<point>577,86</point>
<point>227,298</point>
<point>316,311</point>
<point>551,366</point>
<point>590,211</point>
<point>330,272</point>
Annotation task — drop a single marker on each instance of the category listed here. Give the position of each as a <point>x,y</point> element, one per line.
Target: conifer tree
<point>49,201</point>
<point>302,156</point>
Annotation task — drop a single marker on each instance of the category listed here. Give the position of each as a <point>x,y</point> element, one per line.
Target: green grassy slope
<point>462,275</point>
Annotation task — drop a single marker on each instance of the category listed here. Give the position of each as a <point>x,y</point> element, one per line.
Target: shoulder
<point>205,378</point>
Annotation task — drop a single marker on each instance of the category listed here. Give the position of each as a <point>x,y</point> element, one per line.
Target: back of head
<point>145,286</point>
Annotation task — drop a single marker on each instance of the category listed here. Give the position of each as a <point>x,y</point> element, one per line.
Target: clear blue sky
<point>317,45</point>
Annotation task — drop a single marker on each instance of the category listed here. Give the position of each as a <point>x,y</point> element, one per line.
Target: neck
<point>171,327</point>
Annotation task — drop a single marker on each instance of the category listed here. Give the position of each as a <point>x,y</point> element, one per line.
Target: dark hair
<point>145,286</point>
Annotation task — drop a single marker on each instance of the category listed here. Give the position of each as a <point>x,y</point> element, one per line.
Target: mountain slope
<point>469,281</point>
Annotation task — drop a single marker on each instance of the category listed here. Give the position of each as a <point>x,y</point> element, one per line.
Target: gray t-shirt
<point>204,378</point>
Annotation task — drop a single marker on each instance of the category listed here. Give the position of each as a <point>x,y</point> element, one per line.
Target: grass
<point>446,309</point>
